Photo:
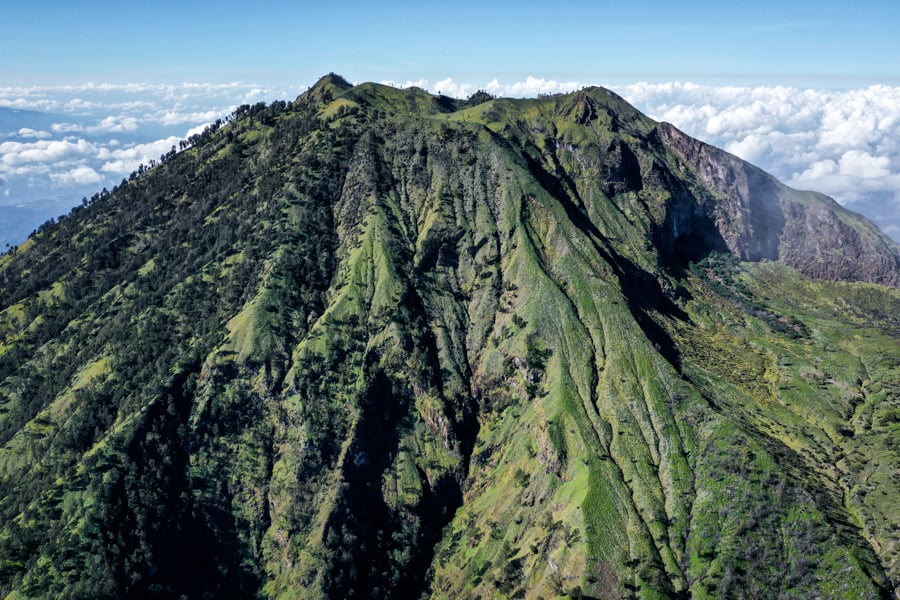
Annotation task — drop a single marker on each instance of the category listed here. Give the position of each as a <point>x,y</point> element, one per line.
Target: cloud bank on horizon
<point>61,143</point>
<point>843,143</point>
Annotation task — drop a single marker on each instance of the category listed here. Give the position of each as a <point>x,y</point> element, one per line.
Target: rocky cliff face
<point>377,343</point>
<point>759,218</point>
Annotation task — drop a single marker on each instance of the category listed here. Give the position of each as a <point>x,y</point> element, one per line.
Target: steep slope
<point>763,219</point>
<point>382,344</point>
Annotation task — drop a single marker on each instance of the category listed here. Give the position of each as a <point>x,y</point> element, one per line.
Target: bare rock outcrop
<point>760,218</point>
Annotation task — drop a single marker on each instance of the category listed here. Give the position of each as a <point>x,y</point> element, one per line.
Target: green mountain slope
<point>376,343</point>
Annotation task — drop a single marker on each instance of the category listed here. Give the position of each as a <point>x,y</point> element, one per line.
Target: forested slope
<point>377,343</point>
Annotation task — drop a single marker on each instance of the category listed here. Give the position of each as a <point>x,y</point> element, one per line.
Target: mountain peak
<point>327,88</point>
<point>381,343</point>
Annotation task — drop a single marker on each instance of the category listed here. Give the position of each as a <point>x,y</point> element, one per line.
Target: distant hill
<point>379,343</point>
<point>13,119</point>
<point>14,220</point>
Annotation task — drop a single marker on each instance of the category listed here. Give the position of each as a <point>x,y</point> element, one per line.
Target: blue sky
<point>818,44</point>
<point>809,91</point>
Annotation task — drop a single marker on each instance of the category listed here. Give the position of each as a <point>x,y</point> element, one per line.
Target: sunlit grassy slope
<point>374,343</point>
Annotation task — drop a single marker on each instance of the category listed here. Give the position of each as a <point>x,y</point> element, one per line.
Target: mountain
<point>12,120</point>
<point>379,343</point>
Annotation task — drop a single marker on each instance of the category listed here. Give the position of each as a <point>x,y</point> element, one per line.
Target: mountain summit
<point>379,343</point>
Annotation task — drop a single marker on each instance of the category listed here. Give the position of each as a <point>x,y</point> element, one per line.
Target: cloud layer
<point>90,136</point>
<point>127,105</point>
<point>83,138</point>
<point>843,143</point>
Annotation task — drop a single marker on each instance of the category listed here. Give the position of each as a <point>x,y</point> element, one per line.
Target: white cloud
<point>843,143</point>
<point>752,148</point>
<point>255,95</point>
<point>419,83</point>
<point>115,124</point>
<point>862,164</point>
<point>165,104</point>
<point>44,151</point>
<point>77,104</point>
<point>27,103</point>
<point>532,86</point>
<point>174,117</point>
<point>77,176</point>
<point>197,130</point>
<point>66,127</point>
<point>27,132</point>
<point>818,170</point>
<point>448,87</point>
<point>123,161</point>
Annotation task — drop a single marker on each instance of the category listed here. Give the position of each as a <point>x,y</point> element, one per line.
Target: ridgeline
<point>379,343</point>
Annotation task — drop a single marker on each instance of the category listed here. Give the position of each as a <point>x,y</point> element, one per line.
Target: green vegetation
<point>376,343</point>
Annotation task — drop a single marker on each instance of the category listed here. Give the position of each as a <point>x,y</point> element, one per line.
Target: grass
<point>810,393</point>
